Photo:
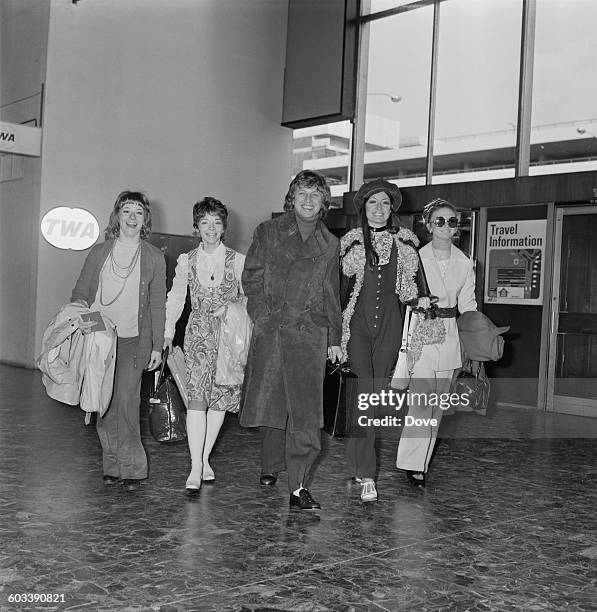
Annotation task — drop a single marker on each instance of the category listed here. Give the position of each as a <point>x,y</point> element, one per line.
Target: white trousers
<point>418,440</point>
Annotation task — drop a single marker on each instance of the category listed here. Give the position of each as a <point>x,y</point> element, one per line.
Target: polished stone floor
<point>504,523</point>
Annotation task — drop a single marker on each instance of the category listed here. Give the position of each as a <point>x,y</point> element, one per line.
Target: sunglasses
<point>440,222</point>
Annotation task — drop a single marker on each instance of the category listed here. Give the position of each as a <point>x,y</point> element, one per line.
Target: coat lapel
<point>455,273</point>
<point>434,275</point>
<point>314,246</point>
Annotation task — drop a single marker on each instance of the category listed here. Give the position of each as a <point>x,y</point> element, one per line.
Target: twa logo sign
<point>70,228</point>
<point>20,139</point>
<point>8,138</point>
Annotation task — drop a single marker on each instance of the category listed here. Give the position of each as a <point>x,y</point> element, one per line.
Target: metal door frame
<point>561,403</point>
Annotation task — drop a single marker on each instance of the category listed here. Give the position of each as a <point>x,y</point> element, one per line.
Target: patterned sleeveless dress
<point>202,336</point>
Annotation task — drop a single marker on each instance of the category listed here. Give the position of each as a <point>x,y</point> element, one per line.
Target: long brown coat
<point>293,299</point>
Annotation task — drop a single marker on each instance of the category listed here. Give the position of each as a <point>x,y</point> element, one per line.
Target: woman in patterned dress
<point>212,273</point>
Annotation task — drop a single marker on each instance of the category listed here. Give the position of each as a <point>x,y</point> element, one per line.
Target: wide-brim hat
<point>480,338</point>
<point>377,186</point>
<point>475,321</point>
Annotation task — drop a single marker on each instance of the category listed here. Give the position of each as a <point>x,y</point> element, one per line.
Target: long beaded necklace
<point>115,267</point>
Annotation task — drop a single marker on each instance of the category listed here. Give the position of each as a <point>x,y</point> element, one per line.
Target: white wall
<point>23,41</point>
<point>180,99</point>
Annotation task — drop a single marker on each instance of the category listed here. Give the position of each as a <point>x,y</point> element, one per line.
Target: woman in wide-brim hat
<point>379,264</point>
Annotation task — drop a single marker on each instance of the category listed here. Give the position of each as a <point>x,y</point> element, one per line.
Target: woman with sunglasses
<point>450,276</point>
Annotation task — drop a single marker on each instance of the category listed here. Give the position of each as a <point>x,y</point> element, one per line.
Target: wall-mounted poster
<point>514,262</point>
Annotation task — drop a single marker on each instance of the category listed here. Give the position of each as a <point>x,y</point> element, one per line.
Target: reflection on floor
<point>504,524</point>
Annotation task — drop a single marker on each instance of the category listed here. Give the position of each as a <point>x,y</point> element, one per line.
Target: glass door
<point>572,374</point>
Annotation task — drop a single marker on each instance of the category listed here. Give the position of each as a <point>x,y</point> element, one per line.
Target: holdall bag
<point>472,383</point>
<point>339,399</point>
<point>178,369</point>
<point>167,414</point>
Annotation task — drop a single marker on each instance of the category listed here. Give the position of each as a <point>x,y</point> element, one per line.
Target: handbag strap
<point>342,367</point>
<point>161,376</point>
<point>423,290</point>
<point>478,368</point>
<point>469,364</point>
<point>406,328</point>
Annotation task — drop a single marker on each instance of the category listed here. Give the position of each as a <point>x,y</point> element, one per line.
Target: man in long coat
<point>291,279</point>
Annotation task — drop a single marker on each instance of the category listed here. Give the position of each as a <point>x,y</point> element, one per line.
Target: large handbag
<point>167,415</point>
<point>339,399</point>
<point>472,385</point>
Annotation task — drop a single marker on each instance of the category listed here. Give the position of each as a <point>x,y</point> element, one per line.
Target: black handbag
<point>167,414</point>
<point>339,399</point>
<point>472,383</point>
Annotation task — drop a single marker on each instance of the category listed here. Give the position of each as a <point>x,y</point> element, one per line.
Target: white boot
<point>215,418</point>
<point>196,426</point>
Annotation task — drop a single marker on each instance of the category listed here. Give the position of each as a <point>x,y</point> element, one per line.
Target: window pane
<point>398,97</point>
<point>564,119</point>
<point>326,149</point>
<point>477,90</point>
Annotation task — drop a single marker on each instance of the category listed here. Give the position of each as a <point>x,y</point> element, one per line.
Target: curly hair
<point>309,179</point>
<point>209,206</point>
<point>126,197</point>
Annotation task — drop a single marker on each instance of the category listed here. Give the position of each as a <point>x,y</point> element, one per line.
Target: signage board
<point>20,139</point>
<point>514,262</point>
<point>70,228</point>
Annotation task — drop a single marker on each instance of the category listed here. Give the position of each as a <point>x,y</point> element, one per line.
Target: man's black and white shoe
<point>303,501</point>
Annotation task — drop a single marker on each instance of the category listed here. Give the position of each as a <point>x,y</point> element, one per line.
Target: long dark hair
<point>393,226</point>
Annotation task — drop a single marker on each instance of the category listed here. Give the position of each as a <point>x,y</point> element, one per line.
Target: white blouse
<point>210,273</point>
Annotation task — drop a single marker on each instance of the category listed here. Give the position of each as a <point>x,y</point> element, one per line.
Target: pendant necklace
<point>211,269</point>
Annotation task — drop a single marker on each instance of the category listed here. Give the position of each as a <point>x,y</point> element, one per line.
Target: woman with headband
<point>124,278</point>
<point>451,277</point>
